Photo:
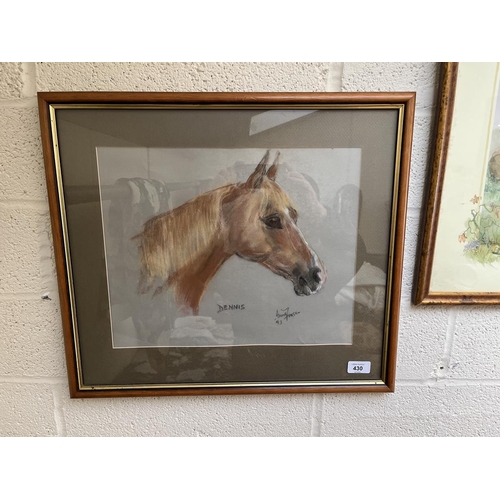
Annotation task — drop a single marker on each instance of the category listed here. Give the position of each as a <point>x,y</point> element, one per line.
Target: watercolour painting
<point>228,243</point>
<point>460,259</point>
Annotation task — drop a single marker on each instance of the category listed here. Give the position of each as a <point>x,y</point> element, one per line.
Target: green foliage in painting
<point>482,233</point>
<point>482,230</point>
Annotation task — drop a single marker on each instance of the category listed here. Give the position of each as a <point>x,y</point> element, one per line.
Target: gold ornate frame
<point>422,293</point>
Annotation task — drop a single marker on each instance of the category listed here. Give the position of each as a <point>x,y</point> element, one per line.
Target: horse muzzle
<point>311,281</point>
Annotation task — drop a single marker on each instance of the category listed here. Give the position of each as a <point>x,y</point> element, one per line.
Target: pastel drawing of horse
<point>255,220</point>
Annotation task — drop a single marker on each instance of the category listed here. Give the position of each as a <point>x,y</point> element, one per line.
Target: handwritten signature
<point>284,315</point>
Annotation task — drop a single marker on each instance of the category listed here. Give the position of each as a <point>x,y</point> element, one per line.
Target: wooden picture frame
<point>228,243</point>
<point>457,257</point>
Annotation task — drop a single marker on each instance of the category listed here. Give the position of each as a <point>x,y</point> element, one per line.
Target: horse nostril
<point>316,275</point>
<point>302,282</point>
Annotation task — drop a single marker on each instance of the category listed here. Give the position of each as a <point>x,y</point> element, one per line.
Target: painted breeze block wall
<point>448,375</point>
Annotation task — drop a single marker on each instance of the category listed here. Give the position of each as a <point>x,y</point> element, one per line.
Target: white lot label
<point>359,366</point>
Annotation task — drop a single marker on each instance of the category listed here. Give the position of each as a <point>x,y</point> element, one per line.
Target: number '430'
<point>359,367</point>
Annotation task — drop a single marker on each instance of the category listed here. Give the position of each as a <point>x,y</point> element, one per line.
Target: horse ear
<point>271,173</point>
<point>256,178</point>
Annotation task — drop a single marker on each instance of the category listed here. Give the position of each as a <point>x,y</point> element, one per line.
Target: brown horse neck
<point>192,280</point>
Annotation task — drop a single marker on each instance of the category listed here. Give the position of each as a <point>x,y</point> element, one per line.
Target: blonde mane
<point>174,239</point>
<point>275,197</point>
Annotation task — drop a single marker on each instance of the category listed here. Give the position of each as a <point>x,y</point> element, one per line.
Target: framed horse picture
<point>224,243</point>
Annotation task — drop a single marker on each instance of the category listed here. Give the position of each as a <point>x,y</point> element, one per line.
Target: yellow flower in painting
<point>495,248</point>
<point>475,199</point>
<point>462,238</point>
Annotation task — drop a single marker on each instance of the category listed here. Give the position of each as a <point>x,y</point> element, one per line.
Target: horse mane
<point>174,239</point>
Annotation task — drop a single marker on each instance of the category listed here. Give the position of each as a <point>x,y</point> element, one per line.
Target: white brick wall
<point>448,379</point>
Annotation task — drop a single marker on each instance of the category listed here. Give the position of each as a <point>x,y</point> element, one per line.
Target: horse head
<point>259,221</point>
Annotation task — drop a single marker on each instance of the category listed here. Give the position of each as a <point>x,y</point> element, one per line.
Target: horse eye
<point>273,222</point>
